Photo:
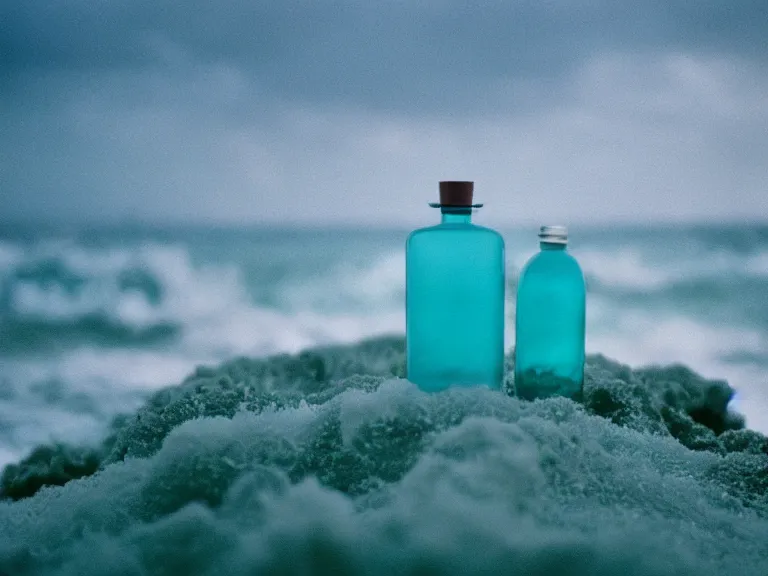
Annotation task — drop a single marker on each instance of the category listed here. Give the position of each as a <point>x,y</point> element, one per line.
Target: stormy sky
<point>314,111</point>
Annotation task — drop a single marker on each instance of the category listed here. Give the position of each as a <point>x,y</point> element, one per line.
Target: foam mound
<point>331,462</point>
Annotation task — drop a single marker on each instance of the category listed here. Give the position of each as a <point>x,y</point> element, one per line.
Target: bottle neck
<point>552,246</point>
<point>456,215</point>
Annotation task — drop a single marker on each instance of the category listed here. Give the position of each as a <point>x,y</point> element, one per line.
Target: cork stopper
<point>456,194</point>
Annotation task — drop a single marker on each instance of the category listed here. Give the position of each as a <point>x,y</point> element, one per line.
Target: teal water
<point>93,319</point>
<point>455,305</point>
<point>550,317</point>
<point>136,358</point>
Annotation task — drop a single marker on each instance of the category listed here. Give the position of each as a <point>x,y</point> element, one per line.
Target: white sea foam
<point>629,268</point>
<point>96,273</point>
<point>386,479</point>
<point>758,264</point>
<point>10,255</point>
<point>640,339</point>
<point>624,269</point>
<point>347,287</point>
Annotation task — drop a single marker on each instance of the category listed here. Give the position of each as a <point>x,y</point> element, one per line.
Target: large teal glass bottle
<point>549,321</point>
<point>455,298</point>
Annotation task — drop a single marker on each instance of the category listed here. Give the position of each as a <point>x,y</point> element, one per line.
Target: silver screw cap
<point>554,234</point>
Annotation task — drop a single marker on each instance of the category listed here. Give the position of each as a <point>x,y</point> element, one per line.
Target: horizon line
<point>308,224</point>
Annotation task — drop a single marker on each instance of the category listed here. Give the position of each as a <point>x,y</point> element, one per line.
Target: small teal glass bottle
<point>549,321</point>
<point>455,298</point>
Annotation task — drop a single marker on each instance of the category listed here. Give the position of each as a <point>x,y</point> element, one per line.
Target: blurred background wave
<point>93,319</point>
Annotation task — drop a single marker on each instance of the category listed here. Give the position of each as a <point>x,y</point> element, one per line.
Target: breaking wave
<point>62,295</point>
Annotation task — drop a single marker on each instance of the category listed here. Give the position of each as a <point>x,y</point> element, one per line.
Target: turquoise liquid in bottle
<point>549,321</point>
<point>455,298</point>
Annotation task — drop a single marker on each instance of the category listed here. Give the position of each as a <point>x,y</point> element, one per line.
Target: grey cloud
<point>247,111</point>
<point>677,138</point>
<point>404,56</point>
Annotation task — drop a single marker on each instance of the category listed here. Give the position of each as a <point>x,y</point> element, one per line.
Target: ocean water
<point>209,401</point>
<point>93,320</point>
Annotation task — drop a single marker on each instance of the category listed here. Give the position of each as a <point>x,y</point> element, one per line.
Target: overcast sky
<point>315,111</point>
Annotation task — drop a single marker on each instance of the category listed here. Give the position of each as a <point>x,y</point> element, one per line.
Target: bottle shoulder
<point>420,232</point>
<point>559,263</point>
<point>490,232</point>
<point>453,229</point>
